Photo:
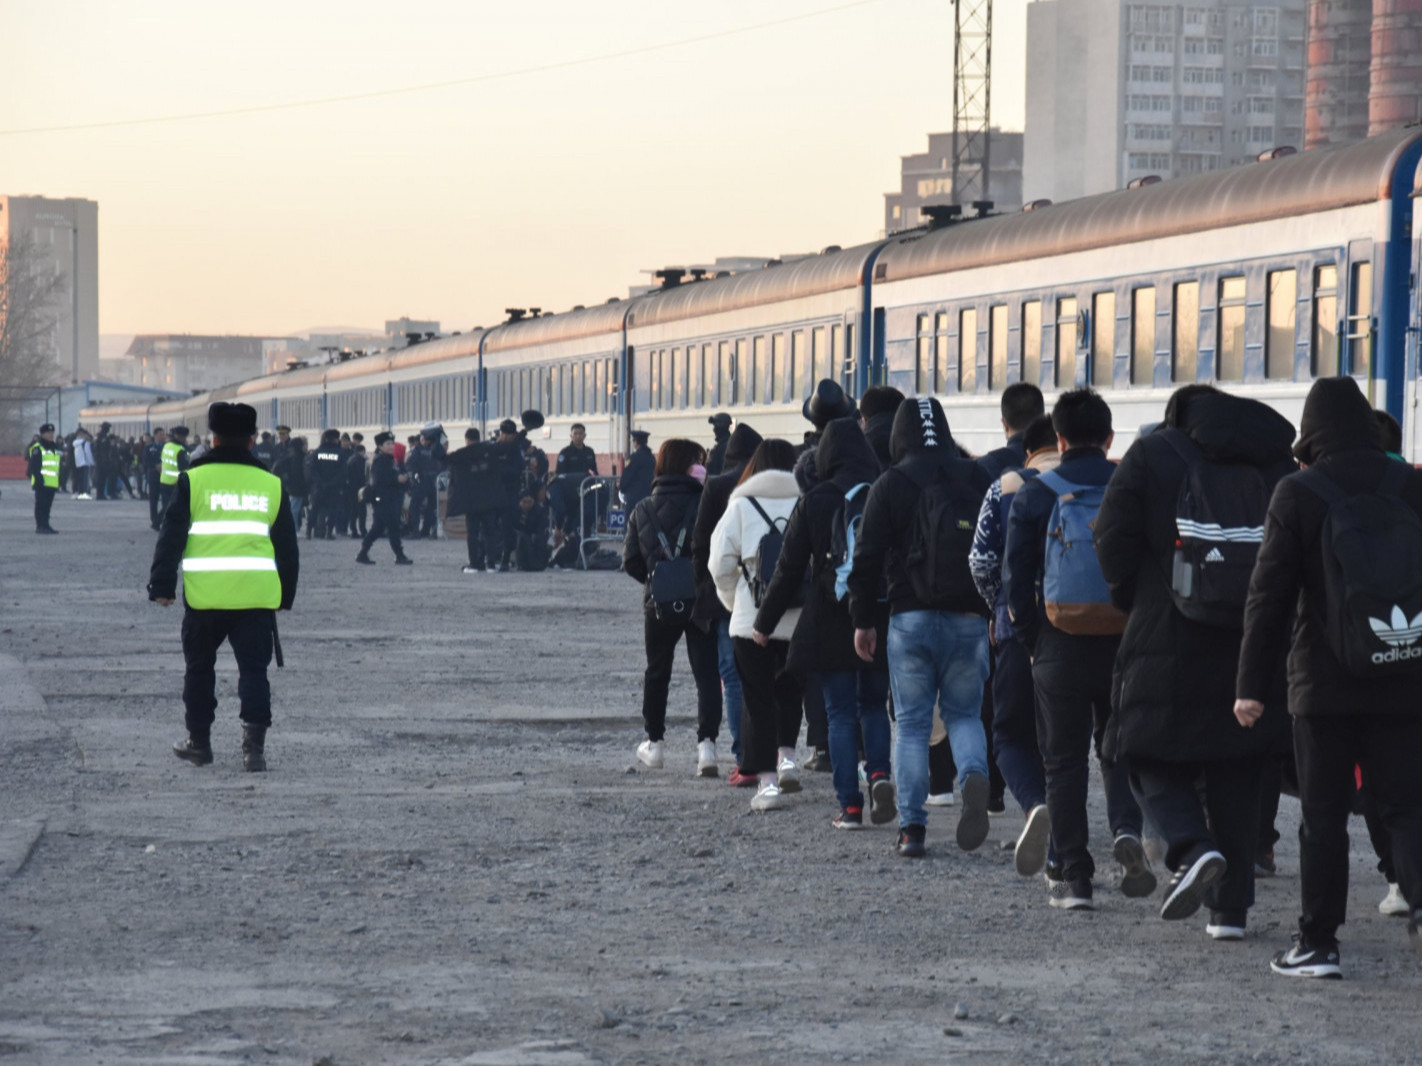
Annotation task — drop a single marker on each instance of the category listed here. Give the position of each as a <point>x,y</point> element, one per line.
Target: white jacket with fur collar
<point>737,541</point>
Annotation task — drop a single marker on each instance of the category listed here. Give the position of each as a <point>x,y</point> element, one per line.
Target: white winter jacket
<point>737,540</point>
<point>83,452</point>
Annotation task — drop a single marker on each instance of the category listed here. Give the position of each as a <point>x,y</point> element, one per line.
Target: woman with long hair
<point>761,505</point>
<point>658,534</point>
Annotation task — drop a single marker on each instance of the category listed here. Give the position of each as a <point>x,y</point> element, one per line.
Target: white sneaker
<point>789,773</point>
<point>649,753</point>
<point>706,765</point>
<point>768,797</point>
<point>470,570</point>
<point>940,799</point>
<point>1393,905</point>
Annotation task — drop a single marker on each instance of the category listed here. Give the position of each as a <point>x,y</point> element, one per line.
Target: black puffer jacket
<point>670,508</point>
<point>921,446</point>
<point>714,500</point>
<point>1173,686</point>
<point>1339,440</point>
<point>823,640</point>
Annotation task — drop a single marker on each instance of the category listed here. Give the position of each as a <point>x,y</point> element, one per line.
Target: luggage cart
<point>601,518</point>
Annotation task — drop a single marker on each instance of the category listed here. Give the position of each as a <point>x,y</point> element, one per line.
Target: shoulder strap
<point>761,511</point>
<point>1183,446</point>
<point>855,491</point>
<point>1055,482</point>
<point>1322,485</point>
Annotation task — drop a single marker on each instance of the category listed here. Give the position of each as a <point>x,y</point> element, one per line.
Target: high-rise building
<point>64,237</point>
<point>927,180</point>
<point>1118,91</point>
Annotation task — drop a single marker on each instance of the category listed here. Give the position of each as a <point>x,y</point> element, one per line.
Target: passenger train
<point>1258,278</point>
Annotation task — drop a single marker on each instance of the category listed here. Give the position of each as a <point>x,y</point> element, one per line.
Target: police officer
<point>265,450</point>
<point>328,477</point>
<point>173,460</point>
<point>44,456</point>
<point>636,483</point>
<point>387,485</point>
<point>152,472</point>
<point>229,524</point>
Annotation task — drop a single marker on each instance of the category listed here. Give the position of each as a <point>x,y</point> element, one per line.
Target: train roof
<point>568,326</point>
<point>1290,186</point>
<point>831,271</point>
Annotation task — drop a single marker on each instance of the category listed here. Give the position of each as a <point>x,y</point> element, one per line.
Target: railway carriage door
<point>1360,325</point>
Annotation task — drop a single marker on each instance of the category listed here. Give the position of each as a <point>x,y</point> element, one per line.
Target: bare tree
<point>31,294</point>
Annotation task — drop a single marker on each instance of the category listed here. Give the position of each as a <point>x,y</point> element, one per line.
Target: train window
<point>1103,339</point>
<point>940,346</point>
<point>1229,363</point>
<point>728,374</point>
<point>837,357</point>
<point>851,358</point>
<point>709,378</point>
<point>659,379</point>
<point>1185,353</point>
<point>1360,322</point>
<point>778,369</point>
<point>1143,336</point>
<point>968,349</point>
<point>799,370</point>
<point>819,356</point>
<point>925,380</point>
<point>1325,321</point>
<point>585,384</point>
<point>668,361</point>
<point>1032,342</point>
<point>1065,373</point>
<point>745,375</point>
<point>1281,310</point>
<point>762,370</point>
<point>997,347</point>
<point>675,386</point>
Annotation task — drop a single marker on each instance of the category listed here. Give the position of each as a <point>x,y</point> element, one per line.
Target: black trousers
<point>1073,679</point>
<point>532,552</point>
<point>816,720</point>
<point>44,500</point>
<point>250,635</point>
<point>424,509</point>
<point>385,524</point>
<point>325,510</point>
<point>770,703</point>
<point>1389,749</point>
<point>155,499</point>
<point>1226,821</point>
<point>484,537</point>
<point>165,497</point>
<point>661,638</point>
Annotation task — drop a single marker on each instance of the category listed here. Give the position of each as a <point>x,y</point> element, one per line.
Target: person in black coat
<point>1173,687</point>
<point>387,487</point>
<point>856,693</point>
<point>877,408</point>
<point>1022,404</point>
<point>721,431</point>
<point>356,468</point>
<point>635,484</point>
<point>1340,719</point>
<point>708,613</point>
<point>668,515</point>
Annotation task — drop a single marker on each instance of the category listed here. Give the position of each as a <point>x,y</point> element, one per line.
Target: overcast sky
<point>545,189</point>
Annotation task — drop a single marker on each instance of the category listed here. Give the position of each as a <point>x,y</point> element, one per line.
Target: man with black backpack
<point>1341,570</point>
<point>918,524</point>
<point>1177,537</point>
<point>1061,611</point>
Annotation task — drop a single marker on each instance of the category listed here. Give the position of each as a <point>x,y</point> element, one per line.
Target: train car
<point>435,381</point>
<point>1258,279</point>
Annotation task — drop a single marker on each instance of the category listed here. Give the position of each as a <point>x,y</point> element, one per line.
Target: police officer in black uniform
<point>328,478</point>
<point>387,486</point>
<point>636,482</point>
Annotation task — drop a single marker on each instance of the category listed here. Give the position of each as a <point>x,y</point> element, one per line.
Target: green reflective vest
<point>228,562</point>
<point>49,465</point>
<point>170,471</point>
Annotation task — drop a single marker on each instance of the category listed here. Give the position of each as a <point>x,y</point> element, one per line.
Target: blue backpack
<point>1074,591</point>
<point>843,535</point>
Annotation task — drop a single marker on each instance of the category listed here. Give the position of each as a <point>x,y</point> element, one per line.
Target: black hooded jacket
<point>891,511</point>
<point>670,508</point>
<point>878,431</point>
<point>824,636</point>
<point>714,500</point>
<point>1339,440</point>
<point>173,537</point>
<point>1173,686</point>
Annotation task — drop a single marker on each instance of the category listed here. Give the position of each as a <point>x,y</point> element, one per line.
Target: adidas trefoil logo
<point>1215,556</point>
<point>1399,634</point>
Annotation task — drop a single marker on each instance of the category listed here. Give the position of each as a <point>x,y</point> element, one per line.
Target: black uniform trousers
<point>1389,749</point>
<point>155,499</point>
<point>385,523</point>
<point>44,500</point>
<point>165,496</point>
<point>251,635</point>
<point>770,703</point>
<point>484,537</point>
<point>1073,679</point>
<point>325,510</point>
<point>661,638</point>
<point>1226,821</point>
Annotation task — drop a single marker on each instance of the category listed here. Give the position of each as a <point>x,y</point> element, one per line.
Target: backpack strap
<point>1055,483</point>
<point>771,522</point>
<point>1182,445</point>
<point>855,491</point>
<point>1392,482</point>
<point>683,529</point>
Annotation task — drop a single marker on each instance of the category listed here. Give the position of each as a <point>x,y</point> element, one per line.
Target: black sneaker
<point>366,559</point>
<point>1070,895</point>
<point>1030,852</point>
<point>1188,886</point>
<point>1225,925</point>
<point>404,560</point>
<point>973,822</point>
<point>849,818</point>
<point>819,761</point>
<point>910,844</point>
<point>1304,960</point>
<point>1136,879</point>
<point>883,805</point>
<point>197,752</point>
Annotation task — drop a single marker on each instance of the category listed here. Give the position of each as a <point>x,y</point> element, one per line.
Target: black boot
<point>196,749</point>
<point>404,560</point>
<point>364,558</point>
<point>254,741</point>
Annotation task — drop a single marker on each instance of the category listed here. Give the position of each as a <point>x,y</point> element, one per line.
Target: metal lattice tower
<point>972,99</point>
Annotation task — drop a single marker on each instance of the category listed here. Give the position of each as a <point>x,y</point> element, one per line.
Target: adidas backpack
<point>1372,575</point>
<point>1074,591</point>
<point>843,536</point>
<point>1219,522</point>
<point>942,536</point>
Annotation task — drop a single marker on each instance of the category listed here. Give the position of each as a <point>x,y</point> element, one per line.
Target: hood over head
<point>844,455</point>
<point>921,428</point>
<point>1336,417</point>
<point>742,445</point>
<point>1229,428</point>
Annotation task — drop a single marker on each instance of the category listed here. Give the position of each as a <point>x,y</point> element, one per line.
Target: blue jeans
<point>856,699</point>
<point>936,657</point>
<point>298,508</point>
<point>730,683</point>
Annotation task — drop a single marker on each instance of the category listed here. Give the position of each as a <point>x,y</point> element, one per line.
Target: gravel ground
<point>454,860</point>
